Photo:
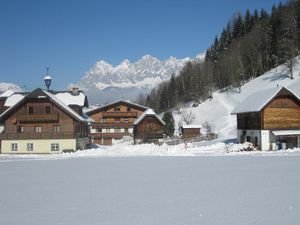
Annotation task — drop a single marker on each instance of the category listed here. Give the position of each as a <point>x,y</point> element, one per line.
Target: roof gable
<point>259,100</point>
<point>148,112</point>
<point>41,94</point>
<point>113,104</point>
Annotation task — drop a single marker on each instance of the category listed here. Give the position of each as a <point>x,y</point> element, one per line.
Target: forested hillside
<point>251,44</point>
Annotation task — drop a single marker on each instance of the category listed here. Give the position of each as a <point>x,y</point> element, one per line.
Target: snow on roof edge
<point>244,107</point>
<point>148,112</point>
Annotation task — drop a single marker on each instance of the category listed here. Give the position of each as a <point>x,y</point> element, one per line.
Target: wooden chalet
<point>45,122</point>
<point>270,119</point>
<point>148,128</point>
<point>114,121</point>
<point>190,131</point>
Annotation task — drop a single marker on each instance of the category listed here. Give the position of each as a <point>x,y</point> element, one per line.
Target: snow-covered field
<point>204,190</point>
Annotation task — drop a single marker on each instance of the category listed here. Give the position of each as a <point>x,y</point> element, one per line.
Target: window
<point>103,120</point>
<point>38,129</point>
<point>107,130</point>
<point>117,120</point>
<point>128,109</point>
<point>99,130</point>
<point>54,147</point>
<point>117,108</point>
<point>125,120</point>
<point>117,130</point>
<point>29,147</point>
<point>14,146</point>
<point>126,130</point>
<point>48,109</point>
<point>30,110</point>
<point>248,139</point>
<point>20,129</point>
<point>56,128</point>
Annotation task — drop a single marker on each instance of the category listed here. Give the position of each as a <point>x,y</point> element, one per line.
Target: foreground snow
<point>219,147</point>
<point>151,190</point>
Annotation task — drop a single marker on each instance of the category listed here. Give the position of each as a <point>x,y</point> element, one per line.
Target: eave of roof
<point>257,101</point>
<point>101,108</point>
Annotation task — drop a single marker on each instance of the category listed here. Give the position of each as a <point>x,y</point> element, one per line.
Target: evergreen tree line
<point>248,46</point>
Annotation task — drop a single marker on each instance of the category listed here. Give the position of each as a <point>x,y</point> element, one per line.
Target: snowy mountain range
<point>9,86</point>
<point>105,82</point>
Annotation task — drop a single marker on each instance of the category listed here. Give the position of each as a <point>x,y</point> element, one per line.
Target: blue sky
<point>70,36</point>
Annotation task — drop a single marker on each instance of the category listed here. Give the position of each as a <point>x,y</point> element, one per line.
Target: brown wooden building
<point>269,117</point>
<point>190,131</point>
<point>114,121</point>
<point>42,122</point>
<point>148,128</point>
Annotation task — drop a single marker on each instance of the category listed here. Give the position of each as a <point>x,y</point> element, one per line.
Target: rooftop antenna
<point>47,79</point>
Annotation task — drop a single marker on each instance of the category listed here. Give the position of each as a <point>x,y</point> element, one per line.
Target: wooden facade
<point>39,117</point>
<point>282,112</point>
<point>114,121</point>
<point>279,113</point>
<point>149,129</point>
<point>190,132</point>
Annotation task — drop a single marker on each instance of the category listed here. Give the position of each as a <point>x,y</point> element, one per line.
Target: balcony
<point>119,114</point>
<point>112,125</point>
<point>37,118</point>
<point>44,135</point>
<point>110,135</point>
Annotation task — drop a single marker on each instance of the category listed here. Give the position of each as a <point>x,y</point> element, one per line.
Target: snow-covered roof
<point>191,126</point>
<point>114,103</point>
<point>67,108</point>
<point>7,93</point>
<point>68,99</point>
<point>257,101</point>
<point>13,99</point>
<point>148,112</point>
<point>285,132</point>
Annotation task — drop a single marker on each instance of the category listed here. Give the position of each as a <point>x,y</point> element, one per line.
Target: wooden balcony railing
<point>112,125</point>
<point>38,118</point>
<point>110,135</point>
<point>44,135</point>
<point>119,114</point>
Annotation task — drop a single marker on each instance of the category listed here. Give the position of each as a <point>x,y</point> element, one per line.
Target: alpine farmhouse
<point>270,119</point>
<point>117,120</point>
<point>43,122</point>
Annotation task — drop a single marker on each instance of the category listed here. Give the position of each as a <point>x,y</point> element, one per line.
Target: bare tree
<point>208,127</point>
<point>187,116</point>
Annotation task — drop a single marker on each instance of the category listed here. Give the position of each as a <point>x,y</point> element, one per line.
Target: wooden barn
<point>148,128</point>
<point>44,122</point>
<point>114,121</point>
<point>190,131</point>
<point>270,119</point>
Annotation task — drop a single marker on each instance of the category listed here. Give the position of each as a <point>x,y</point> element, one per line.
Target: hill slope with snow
<point>217,111</point>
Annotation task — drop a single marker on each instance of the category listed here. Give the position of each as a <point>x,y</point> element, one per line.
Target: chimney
<point>75,90</point>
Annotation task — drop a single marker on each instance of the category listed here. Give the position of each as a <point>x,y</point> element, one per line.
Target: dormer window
<point>48,109</point>
<point>30,110</point>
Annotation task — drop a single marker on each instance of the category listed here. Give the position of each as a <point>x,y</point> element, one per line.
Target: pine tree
<point>248,21</point>
<point>238,28</point>
<point>297,9</point>
<point>169,127</point>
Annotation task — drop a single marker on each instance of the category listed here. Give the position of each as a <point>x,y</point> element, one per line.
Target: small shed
<point>190,131</point>
<point>148,128</point>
